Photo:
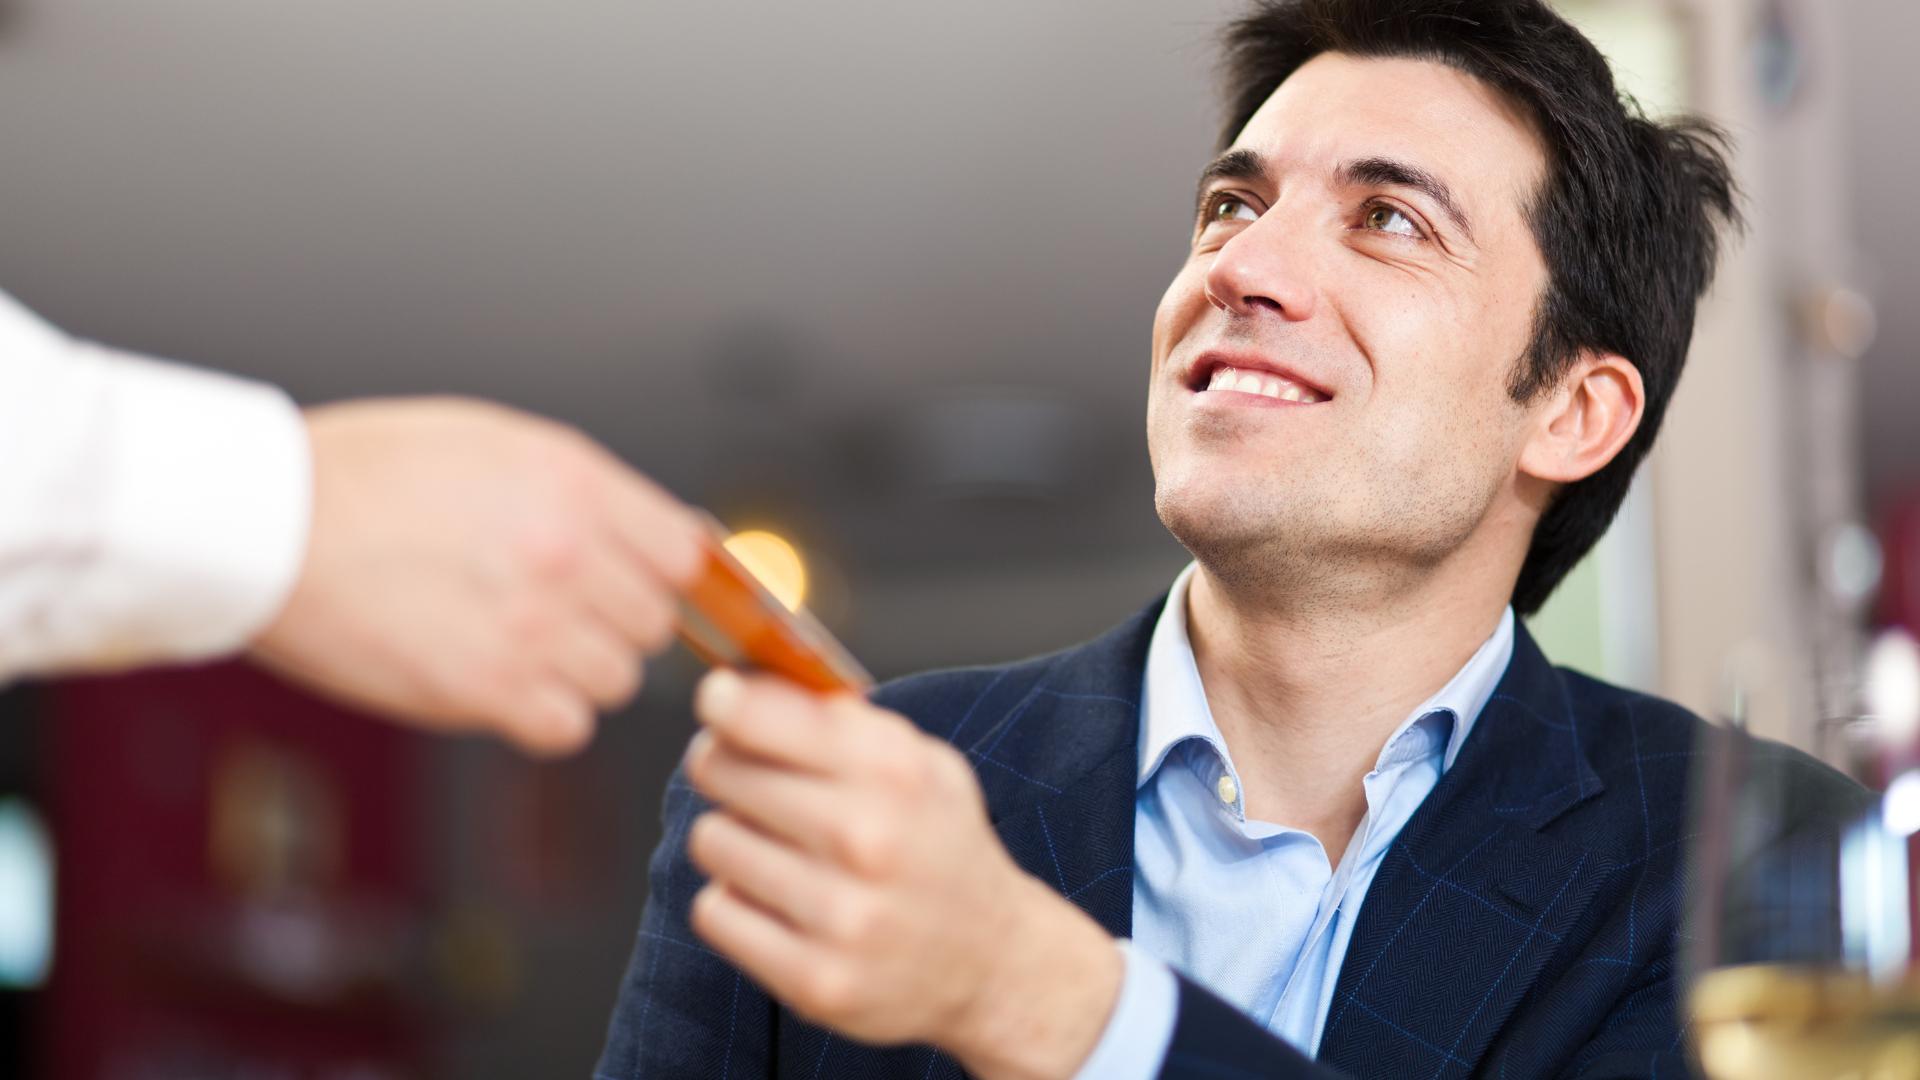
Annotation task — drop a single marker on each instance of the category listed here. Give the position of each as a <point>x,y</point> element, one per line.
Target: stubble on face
<point>1325,537</point>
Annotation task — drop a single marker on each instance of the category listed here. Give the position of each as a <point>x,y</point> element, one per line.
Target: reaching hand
<point>470,567</point>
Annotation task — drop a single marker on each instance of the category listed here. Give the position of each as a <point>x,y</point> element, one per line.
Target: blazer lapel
<point>1472,898</point>
<point>1055,744</point>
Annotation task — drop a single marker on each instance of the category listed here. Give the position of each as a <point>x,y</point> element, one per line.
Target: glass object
<point>1800,945</point>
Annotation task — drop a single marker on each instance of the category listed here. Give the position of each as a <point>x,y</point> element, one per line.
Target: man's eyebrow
<point>1386,171</point>
<point>1239,164</point>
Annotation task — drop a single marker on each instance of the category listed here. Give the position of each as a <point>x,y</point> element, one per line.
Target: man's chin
<point>1219,524</point>
<point>1258,540</point>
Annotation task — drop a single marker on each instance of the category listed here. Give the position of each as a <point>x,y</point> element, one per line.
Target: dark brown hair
<point>1627,217</point>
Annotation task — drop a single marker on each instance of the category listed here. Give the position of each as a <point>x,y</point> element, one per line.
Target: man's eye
<point>1383,218</point>
<point>1228,208</point>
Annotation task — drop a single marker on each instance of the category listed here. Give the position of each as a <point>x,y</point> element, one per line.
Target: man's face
<point>1362,250</point>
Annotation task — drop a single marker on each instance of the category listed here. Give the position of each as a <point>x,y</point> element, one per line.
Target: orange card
<point>728,619</point>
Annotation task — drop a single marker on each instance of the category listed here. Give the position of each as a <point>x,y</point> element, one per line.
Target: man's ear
<point>1585,420</point>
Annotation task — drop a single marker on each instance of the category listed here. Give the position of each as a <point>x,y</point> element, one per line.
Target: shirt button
<point>1229,791</point>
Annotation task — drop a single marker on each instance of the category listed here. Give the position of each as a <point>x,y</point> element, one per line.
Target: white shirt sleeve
<point>148,512</point>
<point>1134,1044</point>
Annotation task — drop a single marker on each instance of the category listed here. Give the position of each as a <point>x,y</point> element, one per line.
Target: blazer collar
<point>1041,726</point>
<point>1529,749</point>
<point>1055,745</point>
<point>1174,706</point>
<point>1418,957</point>
<point>1053,742</point>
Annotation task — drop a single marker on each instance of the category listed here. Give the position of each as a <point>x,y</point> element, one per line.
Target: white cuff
<point>152,512</point>
<point>1134,1044</point>
<point>206,503</point>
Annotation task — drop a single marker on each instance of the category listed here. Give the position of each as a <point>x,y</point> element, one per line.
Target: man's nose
<point>1262,271</point>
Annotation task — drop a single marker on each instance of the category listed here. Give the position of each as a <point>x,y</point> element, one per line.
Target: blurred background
<point>876,278</point>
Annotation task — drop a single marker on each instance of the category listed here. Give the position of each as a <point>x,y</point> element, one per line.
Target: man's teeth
<point>1254,382</point>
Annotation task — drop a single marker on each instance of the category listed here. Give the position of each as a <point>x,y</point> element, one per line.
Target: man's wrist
<point>1043,1009</point>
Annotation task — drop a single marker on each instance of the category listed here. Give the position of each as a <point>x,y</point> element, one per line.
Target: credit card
<point>729,619</point>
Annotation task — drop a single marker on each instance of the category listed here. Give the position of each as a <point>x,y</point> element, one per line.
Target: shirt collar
<point>1174,703</point>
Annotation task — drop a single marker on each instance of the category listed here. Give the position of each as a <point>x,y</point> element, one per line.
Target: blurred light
<point>26,896</point>
<point>1853,563</point>
<point>773,560</point>
<point>1900,807</point>
<point>1874,928</point>
<point>1841,321</point>
<point>1893,687</point>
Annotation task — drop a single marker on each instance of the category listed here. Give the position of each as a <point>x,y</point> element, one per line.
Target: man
<point>449,564</point>
<point>1440,289</point>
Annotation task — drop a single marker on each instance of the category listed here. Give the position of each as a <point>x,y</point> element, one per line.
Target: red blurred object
<point>1900,580</point>
<point>238,868</point>
<point>1900,606</point>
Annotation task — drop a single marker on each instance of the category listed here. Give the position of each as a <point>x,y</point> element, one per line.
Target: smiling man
<point>1325,809</point>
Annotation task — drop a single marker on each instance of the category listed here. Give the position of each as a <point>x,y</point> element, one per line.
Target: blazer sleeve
<point>683,1010</point>
<point>1213,1040</point>
<point>1641,1037</point>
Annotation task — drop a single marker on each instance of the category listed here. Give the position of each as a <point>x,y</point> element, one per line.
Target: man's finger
<point>548,719</point>
<point>800,890</point>
<point>630,596</point>
<point>773,953</point>
<point>774,719</point>
<point>654,526</point>
<point>594,661</point>
<point>800,808</point>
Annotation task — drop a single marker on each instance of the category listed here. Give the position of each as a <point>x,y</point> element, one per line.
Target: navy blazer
<point>1522,924</point>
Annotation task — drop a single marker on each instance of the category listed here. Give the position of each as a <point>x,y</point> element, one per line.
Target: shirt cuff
<point>206,500</point>
<point>1134,1044</point>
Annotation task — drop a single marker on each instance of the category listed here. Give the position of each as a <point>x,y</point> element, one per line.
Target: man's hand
<point>856,877</point>
<point>471,567</point>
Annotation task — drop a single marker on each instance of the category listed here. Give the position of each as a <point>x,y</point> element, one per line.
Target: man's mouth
<point>1220,377</point>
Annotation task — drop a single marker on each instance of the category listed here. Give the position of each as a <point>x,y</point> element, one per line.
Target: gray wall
<point>1884,138</point>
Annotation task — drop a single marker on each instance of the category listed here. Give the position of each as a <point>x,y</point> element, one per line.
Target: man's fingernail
<point>697,748</point>
<point>719,693</point>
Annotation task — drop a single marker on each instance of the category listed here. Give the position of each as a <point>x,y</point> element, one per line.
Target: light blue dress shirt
<point>1251,910</point>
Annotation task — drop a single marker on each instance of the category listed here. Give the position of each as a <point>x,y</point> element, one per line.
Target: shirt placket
<point>1376,786</point>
